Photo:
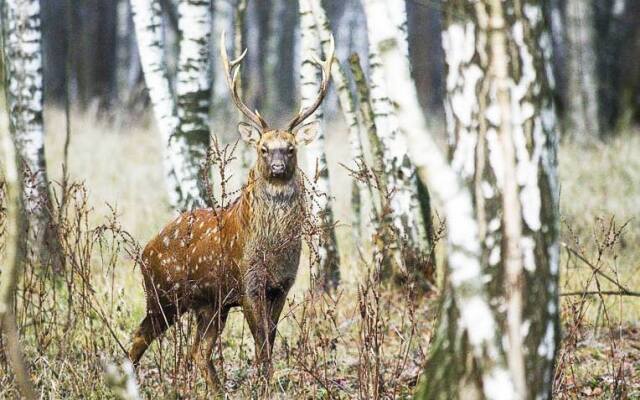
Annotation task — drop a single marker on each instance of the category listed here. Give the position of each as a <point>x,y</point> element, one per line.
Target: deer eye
<point>264,150</point>
<point>290,149</point>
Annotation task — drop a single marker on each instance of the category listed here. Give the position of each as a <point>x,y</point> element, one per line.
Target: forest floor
<point>362,341</point>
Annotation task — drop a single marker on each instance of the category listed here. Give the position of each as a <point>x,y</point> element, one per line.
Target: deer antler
<point>324,87</point>
<point>232,72</point>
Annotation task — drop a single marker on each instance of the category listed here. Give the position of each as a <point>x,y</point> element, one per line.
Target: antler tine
<point>324,86</point>
<point>238,60</point>
<point>232,73</point>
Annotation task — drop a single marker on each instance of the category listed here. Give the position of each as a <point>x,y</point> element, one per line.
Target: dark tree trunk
<point>55,24</point>
<point>427,57</point>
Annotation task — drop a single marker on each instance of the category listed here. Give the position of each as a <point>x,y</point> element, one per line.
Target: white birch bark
<point>536,146</point>
<point>182,124</point>
<point>348,107</point>
<point>22,46</point>
<point>582,91</point>
<point>511,210</point>
<point>387,249</point>
<point>503,131</point>
<point>315,151</point>
<point>147,18</point>
<point>193,93</point>
<point>400,169</point>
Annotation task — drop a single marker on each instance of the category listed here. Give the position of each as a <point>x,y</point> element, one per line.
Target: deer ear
<point>307,132</point>
<point>248,132</point>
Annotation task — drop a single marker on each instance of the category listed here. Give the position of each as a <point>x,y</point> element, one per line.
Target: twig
<point>594,268</point>
<point>602,292</point>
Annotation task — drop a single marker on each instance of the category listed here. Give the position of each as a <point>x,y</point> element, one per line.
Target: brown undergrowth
<point>366,340</point>
<point>600,204</point>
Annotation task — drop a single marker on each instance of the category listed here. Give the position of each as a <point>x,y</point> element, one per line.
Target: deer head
<point>276,148</point>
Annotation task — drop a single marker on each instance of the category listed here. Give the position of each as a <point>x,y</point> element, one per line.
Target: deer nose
<point>277,167</point>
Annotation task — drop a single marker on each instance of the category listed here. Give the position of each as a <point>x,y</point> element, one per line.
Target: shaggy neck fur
<point>269,192</point>
<point>273,237</point>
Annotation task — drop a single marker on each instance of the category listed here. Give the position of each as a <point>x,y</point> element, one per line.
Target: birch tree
<point>348,107</point>
<point>147,18</point>
<point>22,46</point>
<point>582,90</point>
<point>329,259</point>
<point>183,122</point>
<point>9,251</point>
<point>11,226</point>
<point>193,92</point>
<point>388,49</point>
<point>387,252</point>
<point>498,328</point>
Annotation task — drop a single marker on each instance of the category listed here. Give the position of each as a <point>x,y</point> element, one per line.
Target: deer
<point>209,261</point>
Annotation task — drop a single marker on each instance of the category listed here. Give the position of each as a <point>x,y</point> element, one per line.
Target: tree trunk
<point>94,42</point>
<point>498,329</point>
<point>127,68</point>
<point>348,107</point>
<point>329,259</point>
<point>181,166</point>
<point>387,251</point>
<point>350,30</point>
<point>17,19</point>
<point>257,32</point>
<point>247,153</point>
<point>193,92</point>
<point>23,84</point>
<point>147,18</point>
<point>286,81</point>
<point>9,258</point>
<point>55,38</point>
<point>222,107</point>
<point>618,46</point>
<point>424,25</point>
<point>397,111</point>
<point>582,93</point>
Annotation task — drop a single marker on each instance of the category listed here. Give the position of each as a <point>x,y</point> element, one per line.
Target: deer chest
<point>272,251</point>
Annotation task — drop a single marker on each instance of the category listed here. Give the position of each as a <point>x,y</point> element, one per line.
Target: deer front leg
<point>262,313</point>
<point>275,309</point>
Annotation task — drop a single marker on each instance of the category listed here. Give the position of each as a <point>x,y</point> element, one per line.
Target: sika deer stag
<point>245,255</point>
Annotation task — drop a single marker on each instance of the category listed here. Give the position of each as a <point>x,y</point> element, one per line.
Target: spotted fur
<point>245,255</point>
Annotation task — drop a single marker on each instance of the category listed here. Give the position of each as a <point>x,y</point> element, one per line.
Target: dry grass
<point>600,205</point>
<point>326,345</point>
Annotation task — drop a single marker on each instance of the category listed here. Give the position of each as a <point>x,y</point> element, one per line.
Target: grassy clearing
<point>326,345</point>
<point>600,206</point>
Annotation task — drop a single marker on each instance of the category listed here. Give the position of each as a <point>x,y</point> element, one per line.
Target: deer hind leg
<point>153,325</point>
<point>210,323</point>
